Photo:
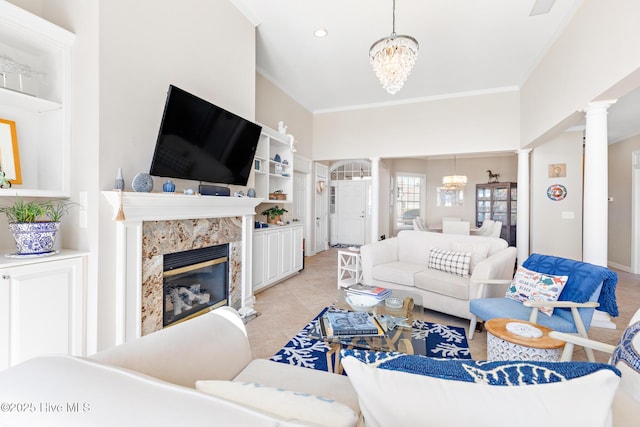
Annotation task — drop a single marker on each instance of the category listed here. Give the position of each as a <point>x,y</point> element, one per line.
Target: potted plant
<point>34,224</point>
<point>273,214</point>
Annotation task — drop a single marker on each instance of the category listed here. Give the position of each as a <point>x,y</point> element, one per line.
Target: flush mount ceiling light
<point>320,32</point>
<point>393,58</point>
<point>454,181</point>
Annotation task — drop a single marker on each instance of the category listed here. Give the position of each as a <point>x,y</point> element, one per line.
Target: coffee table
<point>398,338</point>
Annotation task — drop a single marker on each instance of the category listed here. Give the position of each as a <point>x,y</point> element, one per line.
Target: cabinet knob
<point>6,277</point>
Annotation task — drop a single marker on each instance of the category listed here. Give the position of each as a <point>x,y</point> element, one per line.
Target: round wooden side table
<point>513,339</point>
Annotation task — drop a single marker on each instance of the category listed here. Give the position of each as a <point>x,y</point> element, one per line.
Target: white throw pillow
<point>394,398</point>
<point>450,261</point>
<point>287,404</point>
<point>530,285</point>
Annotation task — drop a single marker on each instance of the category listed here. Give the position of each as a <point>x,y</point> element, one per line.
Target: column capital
<point>599,105</point>
<point>524,151</point>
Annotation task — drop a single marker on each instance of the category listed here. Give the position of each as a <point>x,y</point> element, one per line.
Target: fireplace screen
<point>195,282</point>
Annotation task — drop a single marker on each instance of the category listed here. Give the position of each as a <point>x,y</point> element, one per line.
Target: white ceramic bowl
<point>361,302</point>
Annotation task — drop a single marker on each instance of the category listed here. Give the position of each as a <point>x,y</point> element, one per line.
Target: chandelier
<point>393,58</point>
<point>454,181</point>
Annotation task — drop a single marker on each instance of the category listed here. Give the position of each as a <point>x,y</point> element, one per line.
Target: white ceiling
<point>465,46</point>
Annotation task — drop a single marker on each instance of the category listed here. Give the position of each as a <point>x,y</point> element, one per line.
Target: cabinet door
<point>258,263</point>
<point>286,252</point>
<point>272,255</point>
<point>47,309</point>
<point>298,253</point>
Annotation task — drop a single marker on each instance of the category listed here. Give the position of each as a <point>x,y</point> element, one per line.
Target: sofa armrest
<point>212,346</point>
<point>376,253</point>
<point>498,266</point>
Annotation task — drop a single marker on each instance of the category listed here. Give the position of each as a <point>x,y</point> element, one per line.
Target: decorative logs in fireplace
<point>195,281</point>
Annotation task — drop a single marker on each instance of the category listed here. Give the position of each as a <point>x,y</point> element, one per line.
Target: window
<point>410,199</point>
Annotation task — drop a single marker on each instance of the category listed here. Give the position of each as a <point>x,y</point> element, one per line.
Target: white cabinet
<point>42,304</point>
<point>277,254</point>
<point>34,93</point>
<point>273,167</point>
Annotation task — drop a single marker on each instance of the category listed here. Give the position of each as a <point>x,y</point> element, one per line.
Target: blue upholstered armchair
<point>588,286</point>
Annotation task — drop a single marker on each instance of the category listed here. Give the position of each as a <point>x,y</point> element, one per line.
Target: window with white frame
<point>410,199</point>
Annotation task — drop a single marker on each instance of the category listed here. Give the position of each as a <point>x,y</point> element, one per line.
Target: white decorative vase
<point>34,238</point>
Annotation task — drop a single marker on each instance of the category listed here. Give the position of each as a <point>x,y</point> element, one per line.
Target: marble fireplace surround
<point>159,223</point>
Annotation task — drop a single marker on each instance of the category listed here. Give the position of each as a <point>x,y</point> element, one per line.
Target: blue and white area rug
<point>306,349</point>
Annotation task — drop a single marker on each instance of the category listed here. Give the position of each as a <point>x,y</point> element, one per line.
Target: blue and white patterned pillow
<point>499,373</point>
<point>457,263</point>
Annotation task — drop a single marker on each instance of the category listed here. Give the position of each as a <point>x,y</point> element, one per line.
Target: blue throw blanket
<point>583,280</point>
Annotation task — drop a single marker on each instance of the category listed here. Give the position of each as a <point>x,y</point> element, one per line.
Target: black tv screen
<point>203,142</point>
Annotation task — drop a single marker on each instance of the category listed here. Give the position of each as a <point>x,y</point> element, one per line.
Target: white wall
<point>550,233</point>
<point>599,48</point>
<point>469,124</point>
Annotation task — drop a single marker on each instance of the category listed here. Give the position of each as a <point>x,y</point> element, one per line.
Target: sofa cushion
<point>109,396</point>
<point>438,401</point>
<point>414,246</point>
<point>295,378</point>
<point>450,261</point>
<point>479,251</point>
<point>529,285</point>
<point>397,272</point>
<point>443,283</point>
<point>281,402</point>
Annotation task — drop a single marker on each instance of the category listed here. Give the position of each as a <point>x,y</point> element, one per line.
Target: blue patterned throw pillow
<point>500,373</point>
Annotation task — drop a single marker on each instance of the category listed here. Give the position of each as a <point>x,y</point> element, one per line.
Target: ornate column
<point>595,205</point>
<point>522,230</point>
<point>375,197</point>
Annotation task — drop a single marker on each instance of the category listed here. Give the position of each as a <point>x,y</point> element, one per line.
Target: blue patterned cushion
<point>625,350</point>
<point>501,373</point>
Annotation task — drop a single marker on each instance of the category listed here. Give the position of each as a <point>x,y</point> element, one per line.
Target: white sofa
<point>151,381</point>
<point>402,263</point>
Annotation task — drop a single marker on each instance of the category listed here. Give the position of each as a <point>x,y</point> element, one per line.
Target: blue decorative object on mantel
<point>169,186</point>
<point>251,192</point>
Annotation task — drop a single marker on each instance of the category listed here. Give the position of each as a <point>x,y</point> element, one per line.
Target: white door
<point>351,210</point>
<point>322,214</point>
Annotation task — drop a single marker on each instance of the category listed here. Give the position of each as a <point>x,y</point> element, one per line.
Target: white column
<point>595,209</point>
<point>375,198</point>
<point>595,206</point>
<point>522,229</point>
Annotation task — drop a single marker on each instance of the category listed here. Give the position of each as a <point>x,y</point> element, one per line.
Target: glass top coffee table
<point>399,332</point>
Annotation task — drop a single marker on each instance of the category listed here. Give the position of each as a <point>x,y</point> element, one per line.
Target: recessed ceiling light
<point>321,32</point>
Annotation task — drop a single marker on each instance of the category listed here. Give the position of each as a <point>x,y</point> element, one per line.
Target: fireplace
<point>194,282</point>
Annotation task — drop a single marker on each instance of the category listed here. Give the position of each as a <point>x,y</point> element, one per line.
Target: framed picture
<point>557,170</point>
<point>257,165</point>
<point>9,157</point>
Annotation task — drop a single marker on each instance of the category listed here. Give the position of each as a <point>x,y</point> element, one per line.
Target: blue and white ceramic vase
<point>33,238</point>
<point>169,187</point>
<point>251,192</point>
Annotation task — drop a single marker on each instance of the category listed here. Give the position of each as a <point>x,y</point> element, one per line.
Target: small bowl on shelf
<point>361,302</point>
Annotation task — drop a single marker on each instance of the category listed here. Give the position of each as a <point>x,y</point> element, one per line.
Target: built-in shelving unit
<point>37,100</point>
<point>273,166</point>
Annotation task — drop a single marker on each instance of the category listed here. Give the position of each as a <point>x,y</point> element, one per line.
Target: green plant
<point>36,211</point>
<point>274,212</point>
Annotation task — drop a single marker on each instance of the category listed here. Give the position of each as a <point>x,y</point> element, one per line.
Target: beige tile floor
<point>289,305</point>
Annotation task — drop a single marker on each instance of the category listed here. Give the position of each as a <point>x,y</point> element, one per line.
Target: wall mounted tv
<point>203,142</point>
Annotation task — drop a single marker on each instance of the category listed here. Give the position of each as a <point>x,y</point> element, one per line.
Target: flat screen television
<point>203,142</point>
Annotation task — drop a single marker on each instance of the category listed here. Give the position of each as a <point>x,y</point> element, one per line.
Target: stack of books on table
<point>345,324</point>
<point>374,291</point>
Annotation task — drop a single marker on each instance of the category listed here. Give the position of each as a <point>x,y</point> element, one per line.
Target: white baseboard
<point>620,267</point>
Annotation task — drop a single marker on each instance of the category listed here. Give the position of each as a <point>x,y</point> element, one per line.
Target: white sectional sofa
<point>151,382</point>
<point>402,263</point>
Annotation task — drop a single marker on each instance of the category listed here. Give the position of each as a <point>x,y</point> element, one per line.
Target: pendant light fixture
<point>393,58</point>
<point>454,181</point>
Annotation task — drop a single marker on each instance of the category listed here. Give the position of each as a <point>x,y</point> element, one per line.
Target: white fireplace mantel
<point>140,207</point>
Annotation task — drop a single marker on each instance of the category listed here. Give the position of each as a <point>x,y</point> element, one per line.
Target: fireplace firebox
<point>194,282</point>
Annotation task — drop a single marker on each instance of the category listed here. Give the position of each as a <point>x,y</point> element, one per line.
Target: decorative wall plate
<point>556,192</point>
<point>142,183</point>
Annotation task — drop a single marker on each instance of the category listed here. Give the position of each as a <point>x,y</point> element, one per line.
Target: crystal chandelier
<point>454,180</point>
<point>393,58</point>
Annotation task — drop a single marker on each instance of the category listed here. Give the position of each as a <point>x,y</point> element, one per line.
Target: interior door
<point>351,212</point>
<point>322,207</point>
